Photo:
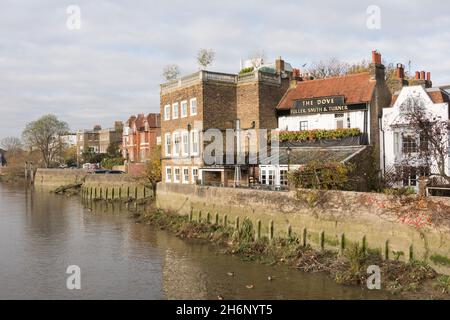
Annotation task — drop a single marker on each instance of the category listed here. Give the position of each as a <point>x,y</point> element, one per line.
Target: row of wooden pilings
<point>111,193</point>
<point>305,236</point>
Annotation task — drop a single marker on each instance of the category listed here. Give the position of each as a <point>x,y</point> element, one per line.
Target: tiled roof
<point>356,88</point>
<point>437,96</point>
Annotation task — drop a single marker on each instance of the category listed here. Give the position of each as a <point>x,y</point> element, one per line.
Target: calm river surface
<point>41,234</point>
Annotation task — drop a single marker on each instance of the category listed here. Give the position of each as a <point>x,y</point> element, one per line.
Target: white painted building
<point>400,141</point>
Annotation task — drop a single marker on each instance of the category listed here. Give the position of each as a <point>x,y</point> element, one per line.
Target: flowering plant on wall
<point>313,135</point>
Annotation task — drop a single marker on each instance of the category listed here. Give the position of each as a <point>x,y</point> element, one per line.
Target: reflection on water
<point>41,234</point>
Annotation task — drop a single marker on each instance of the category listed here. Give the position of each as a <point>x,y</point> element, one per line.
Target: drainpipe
<point>383,146</point>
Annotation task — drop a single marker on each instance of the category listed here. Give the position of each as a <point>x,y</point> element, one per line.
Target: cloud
<point>112,67</point>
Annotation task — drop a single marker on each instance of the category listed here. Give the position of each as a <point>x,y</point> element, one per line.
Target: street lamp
<point>288,151</point>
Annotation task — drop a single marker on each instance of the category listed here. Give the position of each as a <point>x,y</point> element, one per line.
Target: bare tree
<point>328,68</point>
<point>44,135</point>
<point>12,145</point>
<point>425,143</point>
<point>171,72</point>
<point>257,58</point>
<point>205,57</point>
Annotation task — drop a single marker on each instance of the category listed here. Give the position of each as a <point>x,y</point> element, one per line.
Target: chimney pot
<point>422,75</point>
<point>417,75</point>
<point>429,76</point>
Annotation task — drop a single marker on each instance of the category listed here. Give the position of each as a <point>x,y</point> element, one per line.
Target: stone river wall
<point>398,227</point>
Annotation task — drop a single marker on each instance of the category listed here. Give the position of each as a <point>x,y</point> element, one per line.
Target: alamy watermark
<point>73,281</point>
<point>73,21</point>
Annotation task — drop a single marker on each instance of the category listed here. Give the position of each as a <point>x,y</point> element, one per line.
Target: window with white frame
<point>283,177</point>
<point>177,175</point>
<point>194,175</point>
<point>195,142</point>
<point>167,143</point>
<point>193,107</point>
<point>303,125</point>
<point>175,111</point>
<point>185,143</point>
<point>176,143</point>
<point>184,112</point>
<point>185,175</point>
<point>168,174</point>
<point>167,112</point>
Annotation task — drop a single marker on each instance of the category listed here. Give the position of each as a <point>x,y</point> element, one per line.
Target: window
<point>409,144</point>
<point>193,107</point>
<point>283,177</point>
<point>167,112</point>
<point>177,175</point>
<point>185,175</point>
<point>176,144</point>
<point>263,176</point>
<point>184,109</point>
<point>195,149</point>
<point>185,143</point>
<point>349,122</point>
<point>167,143</point>
<point>194,175</point>
<point>303,125</point>
<point>271,177</point>
<point>168,174</point>
<point>175,111</point>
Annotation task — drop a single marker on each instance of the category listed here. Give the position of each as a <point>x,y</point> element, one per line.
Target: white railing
<point>200,76</point>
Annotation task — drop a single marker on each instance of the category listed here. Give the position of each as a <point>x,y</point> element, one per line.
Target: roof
<point>304,155</point>
<point>437,95</point>
<point>356,88</point>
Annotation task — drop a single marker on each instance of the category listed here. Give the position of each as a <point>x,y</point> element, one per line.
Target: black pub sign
<point>330,104</point>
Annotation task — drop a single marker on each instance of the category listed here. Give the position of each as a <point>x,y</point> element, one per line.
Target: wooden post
<point>135,192</point>
<point>271,230</point>
<point>225,220</point>
<point>120,192</point>
<point>217,219</point>
<point>107,193</point>
<point>128,192</point>
<point>190,216</point>
<point>90,192</point>
<point>95,193</point>
<point>236,224</point>
<point>304,237</point>
<point>322,240</point>
<point>199,216</point>
<point>143,192</point>
<point>112,193</point>
<point>411,253</point>
<point>289,231</point>
<point>208,217</point>
<point>364,245</point>
<point>342,244</point>
<point>258,229</point>
<point>386,250</point>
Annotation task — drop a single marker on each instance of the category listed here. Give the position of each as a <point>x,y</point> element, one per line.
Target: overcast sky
<point>111,67</point>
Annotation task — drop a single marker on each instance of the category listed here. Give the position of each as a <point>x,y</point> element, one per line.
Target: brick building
<point>97,139</point>
<point>209,100</point>
<point>140,136</point>
<point>351,103</point>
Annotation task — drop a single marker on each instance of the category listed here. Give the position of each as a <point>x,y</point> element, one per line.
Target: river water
<point>41,234</point>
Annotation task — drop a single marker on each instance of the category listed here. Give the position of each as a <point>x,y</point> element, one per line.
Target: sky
<point>111,67</point>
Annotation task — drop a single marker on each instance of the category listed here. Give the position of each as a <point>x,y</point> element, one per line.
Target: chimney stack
<point>400,71</point>
<point>428,76</point>
<point>376,57</point>
<point>422,75</point>
<point>279,65</point>
<point>417,75</point>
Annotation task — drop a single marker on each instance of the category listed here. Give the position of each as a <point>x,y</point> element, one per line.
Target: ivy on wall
<point>313,135</point>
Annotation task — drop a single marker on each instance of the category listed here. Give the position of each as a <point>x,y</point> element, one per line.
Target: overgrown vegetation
<point>246,70</point>
<point>321,175</point>
<point>317,134</point>
<point>409,279</point>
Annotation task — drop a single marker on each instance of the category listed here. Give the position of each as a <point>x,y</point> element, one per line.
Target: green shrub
<point>109,163</point>
<point>313,135</point>
<point>246,70</point>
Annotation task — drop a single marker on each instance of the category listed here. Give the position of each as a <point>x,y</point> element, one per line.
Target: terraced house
<point>210,100</point>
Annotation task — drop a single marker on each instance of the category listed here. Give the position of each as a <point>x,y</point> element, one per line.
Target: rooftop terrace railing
<point>205,76</point>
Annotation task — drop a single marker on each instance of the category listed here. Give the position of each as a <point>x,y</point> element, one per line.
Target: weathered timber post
<point>107,193</point>
<point>190,216</point>
<point>200,216</point>
<point>143,192</point>
<point>208,217</point>
<point>112,193</point>
<point>342,244</point>
<point>120,192</point>
<point>236,224</point>
<point>225,221</point>
<point>271,230</point>
<point>322,240</point>
<point>216,222</point>
<point>289,231</point>
<point>411,253</point>
<point>135,192</point>
<point>304,237</point>
<point>258,229</point>
<point>128,192</point>
<point>90,196</point>
<point>364,245</point>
